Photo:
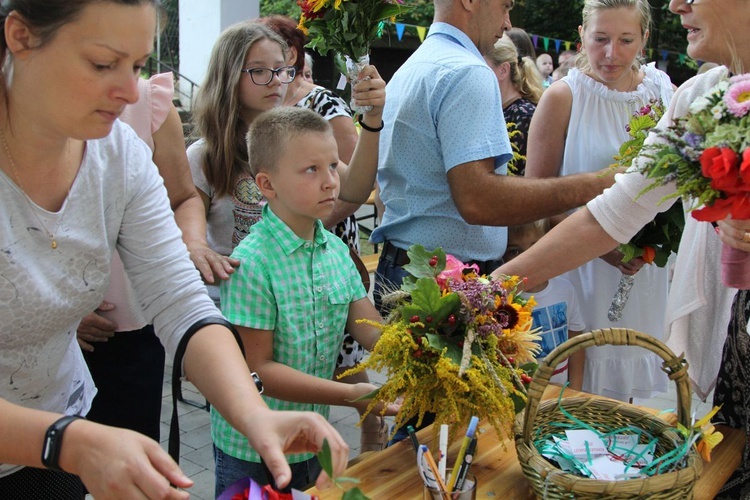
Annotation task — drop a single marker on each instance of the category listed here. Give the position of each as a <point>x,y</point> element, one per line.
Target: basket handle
<point>675,367</point>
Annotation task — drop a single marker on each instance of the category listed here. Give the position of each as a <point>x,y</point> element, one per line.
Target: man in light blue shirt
<point>444,148</point>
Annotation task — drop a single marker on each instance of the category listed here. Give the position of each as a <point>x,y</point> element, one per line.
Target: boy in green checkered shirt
<point>295,291</point>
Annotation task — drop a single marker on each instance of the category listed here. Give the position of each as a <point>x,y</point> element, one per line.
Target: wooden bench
<point>371,261</point>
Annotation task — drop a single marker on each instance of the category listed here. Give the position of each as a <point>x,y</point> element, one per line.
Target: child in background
<point>556,314</point>
<point>546,67</point>
<point>295,290</point>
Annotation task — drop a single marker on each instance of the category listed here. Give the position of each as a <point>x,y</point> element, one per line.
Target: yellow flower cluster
<point>428,382</point>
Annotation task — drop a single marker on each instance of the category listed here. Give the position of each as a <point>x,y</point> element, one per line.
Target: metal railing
<point>183,97</point>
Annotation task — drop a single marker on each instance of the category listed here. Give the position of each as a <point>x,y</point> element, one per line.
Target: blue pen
<point>462,452</point>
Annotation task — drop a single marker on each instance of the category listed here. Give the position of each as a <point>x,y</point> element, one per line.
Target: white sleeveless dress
<point>597,128</point>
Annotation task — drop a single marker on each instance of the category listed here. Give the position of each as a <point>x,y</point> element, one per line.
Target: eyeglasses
<point>263,76</point>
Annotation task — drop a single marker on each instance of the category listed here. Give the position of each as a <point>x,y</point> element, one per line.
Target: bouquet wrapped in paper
<point>456,344</point>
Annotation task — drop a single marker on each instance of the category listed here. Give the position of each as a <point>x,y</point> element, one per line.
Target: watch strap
<point>53,441</point>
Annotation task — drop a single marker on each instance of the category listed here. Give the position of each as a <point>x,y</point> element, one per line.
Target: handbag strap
<point>174,428</point>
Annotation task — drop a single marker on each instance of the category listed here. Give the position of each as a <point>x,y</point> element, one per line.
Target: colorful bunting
<point>558,44</point>
<point>400,27</point>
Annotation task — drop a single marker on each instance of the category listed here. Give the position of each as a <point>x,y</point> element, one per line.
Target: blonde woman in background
<point>520,91</point>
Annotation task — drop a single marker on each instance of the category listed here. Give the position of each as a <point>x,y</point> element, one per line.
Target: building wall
<point>201,22</point>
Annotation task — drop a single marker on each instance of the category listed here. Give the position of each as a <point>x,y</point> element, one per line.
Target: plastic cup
<point>469,491</point>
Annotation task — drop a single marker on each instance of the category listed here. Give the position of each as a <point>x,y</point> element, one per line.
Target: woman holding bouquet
<point>76,184</point>
<point>698,301</point>
<point>578,127</point>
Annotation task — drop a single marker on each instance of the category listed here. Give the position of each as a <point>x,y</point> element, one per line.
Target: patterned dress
<point>733,392</point>
<point>518,118</point>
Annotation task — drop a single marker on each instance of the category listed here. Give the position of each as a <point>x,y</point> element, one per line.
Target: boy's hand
<point>363,389</point>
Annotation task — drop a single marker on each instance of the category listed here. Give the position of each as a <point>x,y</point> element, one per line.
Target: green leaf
<point>354,494</point>
<point>365,397</point>
<point>419,262</point>
<point>325,458</point>
<point>441,342</point>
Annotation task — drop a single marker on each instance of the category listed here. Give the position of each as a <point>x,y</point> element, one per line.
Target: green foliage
<point>326,463</point>
<point>284,7</point>
<point>351,28</point>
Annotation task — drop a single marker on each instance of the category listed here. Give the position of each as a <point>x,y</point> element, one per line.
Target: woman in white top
<point>698,303</point>
<point>578,127</point>
<point>76,184</point>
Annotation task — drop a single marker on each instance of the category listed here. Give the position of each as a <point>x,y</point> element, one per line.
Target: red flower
<point>745,166</point>
<point>721,165</point>
<point>741,206</point>
<point>718,211</point>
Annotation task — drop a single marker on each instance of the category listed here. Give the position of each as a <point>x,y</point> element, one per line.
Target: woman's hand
<point>275,433</point>
<point>735,233</point>
<point>370,91</point>
<point>119,463</point>
<point>95,328</point>
<point>631,267</point>
<point>211,265</point>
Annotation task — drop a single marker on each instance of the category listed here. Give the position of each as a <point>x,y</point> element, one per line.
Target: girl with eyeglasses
<point>248,74</point>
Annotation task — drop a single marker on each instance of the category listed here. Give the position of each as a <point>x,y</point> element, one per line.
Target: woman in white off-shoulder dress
<point>578,127</point>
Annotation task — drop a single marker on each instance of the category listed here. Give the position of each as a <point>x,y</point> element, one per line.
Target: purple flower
<point>693,140</point>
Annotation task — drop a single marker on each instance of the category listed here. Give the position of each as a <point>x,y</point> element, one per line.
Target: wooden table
<point>392,474</point>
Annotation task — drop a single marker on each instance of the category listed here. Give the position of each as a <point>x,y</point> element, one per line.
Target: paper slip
<point>621,443</point>
<point>606,469</point>
<point>585,443</point>
<point>644,453</point>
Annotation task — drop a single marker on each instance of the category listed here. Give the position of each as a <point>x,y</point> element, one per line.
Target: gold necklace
<point>50,234</point>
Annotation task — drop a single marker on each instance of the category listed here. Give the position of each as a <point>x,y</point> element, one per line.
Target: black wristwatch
<point>53,441</point>
<point>258,382</point>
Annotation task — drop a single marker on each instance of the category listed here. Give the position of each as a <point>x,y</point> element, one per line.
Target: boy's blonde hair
<point>539,227</point>
<point>272,132</point>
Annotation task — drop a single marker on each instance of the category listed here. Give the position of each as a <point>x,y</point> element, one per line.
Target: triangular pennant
<point>546,43</point>
<point>535,39</point>
<point>568,45</point>
<point>400,30</point>
<point>651,54</point>
<point>421,32</point>
<point>664,54</point>
<point>681,58</point>
<point>557,46</point>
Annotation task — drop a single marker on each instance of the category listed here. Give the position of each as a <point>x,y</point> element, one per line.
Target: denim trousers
<point>230,470</point>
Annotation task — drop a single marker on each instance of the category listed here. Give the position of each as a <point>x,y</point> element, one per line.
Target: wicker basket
<point>550,482</point>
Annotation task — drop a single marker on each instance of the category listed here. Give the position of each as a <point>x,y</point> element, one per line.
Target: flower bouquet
<point>706,153</point>
<point>456,344</point>
<point>347,27</point>
<point>660,237</point>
